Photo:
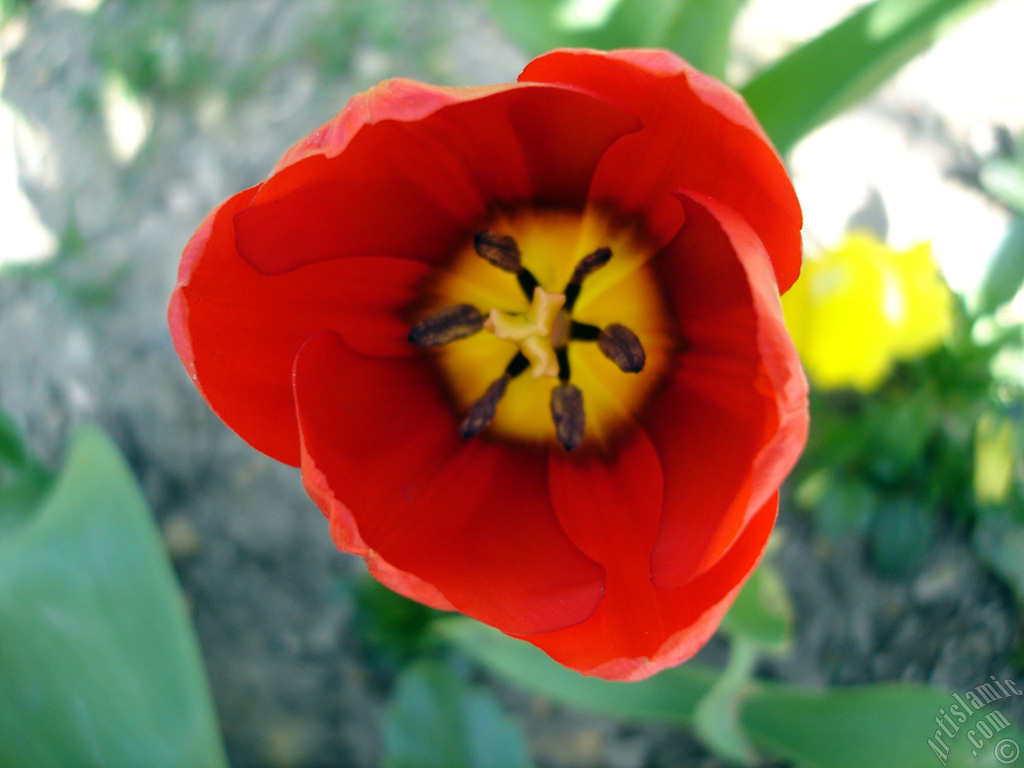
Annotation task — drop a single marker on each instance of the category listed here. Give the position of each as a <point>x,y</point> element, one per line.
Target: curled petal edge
<point>237,331</point>
<point>436,160</point>
<point>664,63</point>
<point>177,310</point>
<point>786,378</point>
<point>345,533</point>
<point>744,555</point>
<point>393,99</point>
<point>783,382</point>
<point>619,77</point>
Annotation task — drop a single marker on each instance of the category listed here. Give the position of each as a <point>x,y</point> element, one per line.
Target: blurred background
<point>900,549</point>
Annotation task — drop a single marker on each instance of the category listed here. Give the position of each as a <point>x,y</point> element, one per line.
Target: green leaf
<point>1005,273</point>
<point>847,508</point>
<point>762,613</point>
<point>670,696</point>
<point>98,662</point>
<point>698,30</point>
<point>901,534</point>
<point>902,429</point>
<point>717,718</point>
<point>540,25</point>
<point>701,31</point>
<point>1003,178</point>
<point>435,720</point>
<point>13,453</point>
<point>24,482</point>
<point>999,542</point>
<point>845,64</point>
<point>391,625</point>
<point>20,496</point>
<point>11,8</point>
<point>882,726</point>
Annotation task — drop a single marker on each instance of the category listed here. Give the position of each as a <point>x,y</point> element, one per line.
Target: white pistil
<point>538,332</point>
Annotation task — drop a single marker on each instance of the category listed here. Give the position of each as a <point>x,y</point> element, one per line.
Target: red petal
<point>394,99</point>
<point>472,519</point>
<point>733,420</point>
<point>238,331</point>
<point>421,166</point>
<point>610,506</point>
<point>640,629</point>
<point>698,135</point>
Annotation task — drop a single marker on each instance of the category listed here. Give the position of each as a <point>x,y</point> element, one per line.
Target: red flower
<point>525,343</point>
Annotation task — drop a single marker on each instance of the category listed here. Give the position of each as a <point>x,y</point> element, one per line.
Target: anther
<point>586,266</point>
<point>502,252</point>
<point>622,347</point>
<point>482,411</point>
<point>567,412</point>
<point>446,326</point>
<point>499,250</point>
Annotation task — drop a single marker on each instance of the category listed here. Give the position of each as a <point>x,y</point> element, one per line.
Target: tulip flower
<point>863,306</point>
<point>525,343</point>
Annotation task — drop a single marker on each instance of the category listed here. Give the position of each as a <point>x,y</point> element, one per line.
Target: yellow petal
<point>862,306</point>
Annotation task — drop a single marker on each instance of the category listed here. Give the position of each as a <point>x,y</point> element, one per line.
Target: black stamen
<point>616,342</point>
<point>446,326</point>
<point>572,292</point>
<point>583,331</point>
<point>590,264</point>
<point>518,364</point>
<point>500,250</point>
<point>482,411</point>
<point>562,355</point>
<point>622,347</point>
<point>567,412</point>
<point>527,282</point>
<point>586,266</point>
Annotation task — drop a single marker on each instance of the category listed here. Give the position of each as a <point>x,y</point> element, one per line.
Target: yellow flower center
<point>570,297</point>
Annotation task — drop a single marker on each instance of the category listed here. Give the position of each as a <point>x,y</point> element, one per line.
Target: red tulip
<point>525,343</point>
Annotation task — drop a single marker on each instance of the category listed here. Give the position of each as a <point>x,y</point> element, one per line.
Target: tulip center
<point>539,332</point>
<point>569,298</point>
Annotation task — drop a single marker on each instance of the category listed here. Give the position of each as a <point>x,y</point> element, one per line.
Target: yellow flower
<point>859,308</point>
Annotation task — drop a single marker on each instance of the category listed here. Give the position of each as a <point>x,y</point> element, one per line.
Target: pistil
<point>538,331</point>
